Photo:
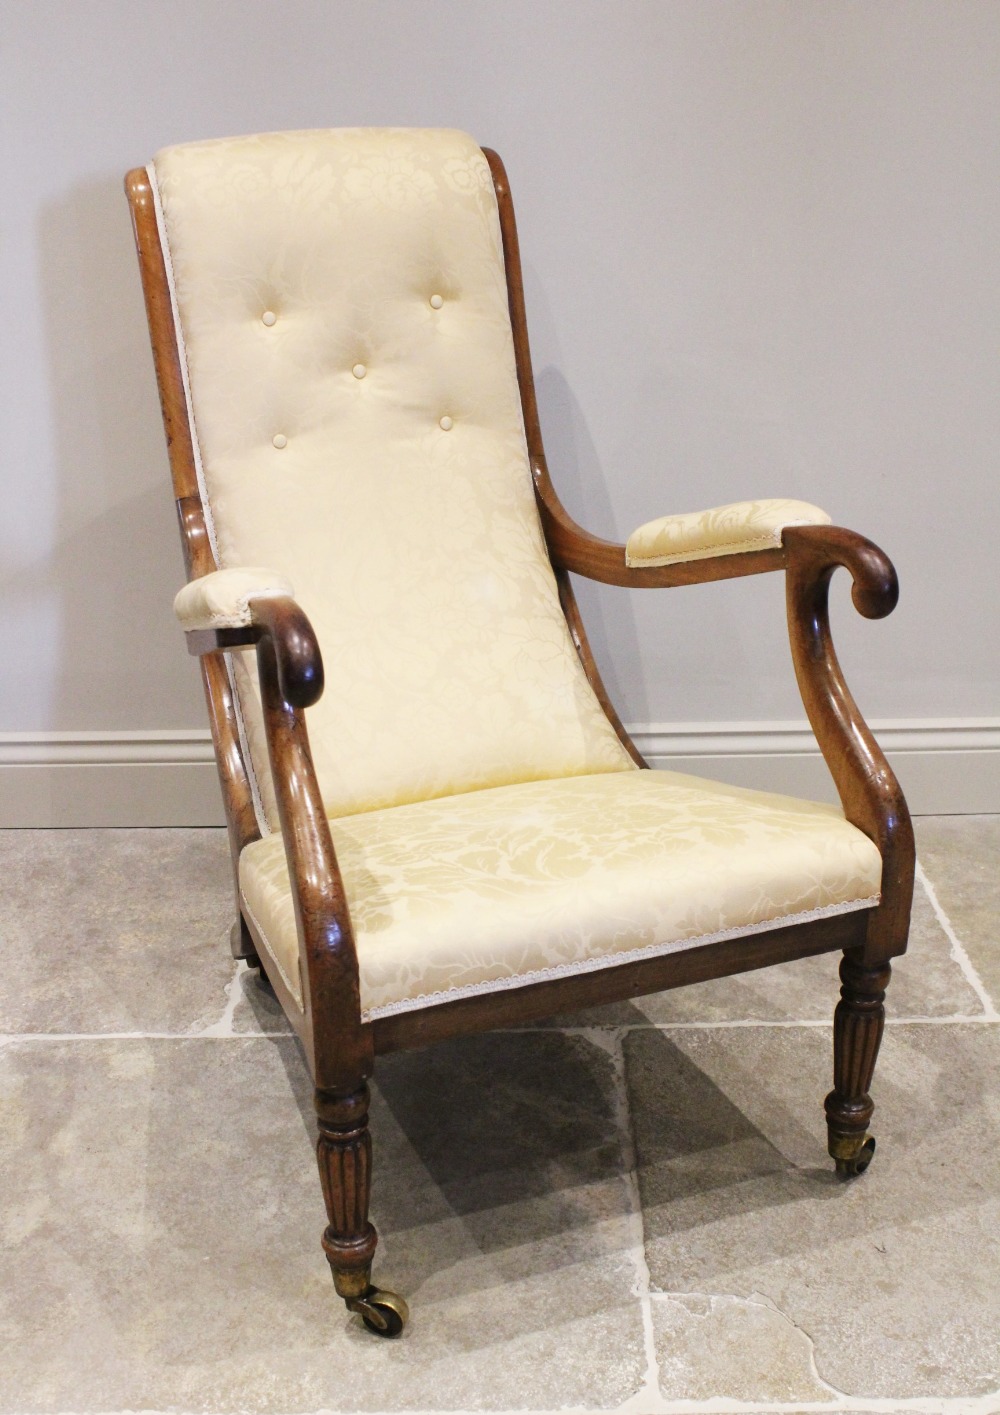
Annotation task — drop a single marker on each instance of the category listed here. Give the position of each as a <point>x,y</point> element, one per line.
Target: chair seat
<point>499,888</point>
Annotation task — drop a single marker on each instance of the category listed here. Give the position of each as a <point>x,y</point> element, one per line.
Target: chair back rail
<point>199,559</point>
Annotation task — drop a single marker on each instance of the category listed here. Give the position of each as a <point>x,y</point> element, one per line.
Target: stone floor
<point>630,1210</point>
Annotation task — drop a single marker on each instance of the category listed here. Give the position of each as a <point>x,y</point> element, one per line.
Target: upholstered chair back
<point>342,313</point>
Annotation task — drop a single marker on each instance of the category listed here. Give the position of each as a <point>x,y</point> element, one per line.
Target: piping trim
<point>591,965</point>
<point>594,965</point>
<point>707,552</point>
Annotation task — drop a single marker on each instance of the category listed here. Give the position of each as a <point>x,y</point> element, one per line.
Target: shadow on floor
<point>481,1128</point>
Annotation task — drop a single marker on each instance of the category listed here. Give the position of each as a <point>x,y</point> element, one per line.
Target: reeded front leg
<point>857,1032</point>
<point>344,1151</point>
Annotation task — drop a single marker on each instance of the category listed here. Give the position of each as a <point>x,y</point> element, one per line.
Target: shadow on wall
<point>115,562</point>
<point>581,484</point>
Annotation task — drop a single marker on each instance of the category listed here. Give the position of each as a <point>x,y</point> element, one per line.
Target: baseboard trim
<point>167,778</point>
<point>741,739</point>
<point>63,779</point>
<point>183,746</point>
<point>946,766</point>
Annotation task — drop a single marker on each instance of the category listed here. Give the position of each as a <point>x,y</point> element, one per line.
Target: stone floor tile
<point>159,1240</point>
<point>257,1009</point>
<point>114,930</point>
<point>712,1348</point>
<point>961,857</point>
<point>927,982</point>
<point>896,1276</point>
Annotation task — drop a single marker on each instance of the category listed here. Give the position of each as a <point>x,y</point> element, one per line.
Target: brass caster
<point>382,1312</point>
<point>857,1164</point>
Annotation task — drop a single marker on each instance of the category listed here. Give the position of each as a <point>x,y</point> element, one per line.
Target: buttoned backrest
<point>342,313</point>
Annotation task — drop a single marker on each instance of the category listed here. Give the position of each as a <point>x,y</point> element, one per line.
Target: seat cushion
<point>498,888</point>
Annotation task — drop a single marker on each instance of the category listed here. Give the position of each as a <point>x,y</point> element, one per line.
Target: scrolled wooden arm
<point>290,667</point>
<point>868,789</point>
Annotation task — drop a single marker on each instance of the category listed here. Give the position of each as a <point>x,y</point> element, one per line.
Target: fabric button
<point>359,370</point>
<point>269,317</point>
<point>446,424</point>
<point>436,302</point>
<point>280,440</point>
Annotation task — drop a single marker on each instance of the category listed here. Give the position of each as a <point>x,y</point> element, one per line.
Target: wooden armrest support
<point>868,789</point>
<point>291,679</point>
<point>575,549</point>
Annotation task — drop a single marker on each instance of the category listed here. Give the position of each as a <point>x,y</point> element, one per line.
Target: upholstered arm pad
<point>722,530</point>
<point>222,600</point>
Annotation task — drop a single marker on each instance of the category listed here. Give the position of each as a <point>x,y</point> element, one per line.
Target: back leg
<point>242,945</point>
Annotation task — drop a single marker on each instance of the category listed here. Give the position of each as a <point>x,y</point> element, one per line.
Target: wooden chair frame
<point>339,1047</point>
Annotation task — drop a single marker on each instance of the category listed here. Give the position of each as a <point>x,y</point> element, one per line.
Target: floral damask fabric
<point>494,888</point>
<point>347,344</point>
<point>721,530</point>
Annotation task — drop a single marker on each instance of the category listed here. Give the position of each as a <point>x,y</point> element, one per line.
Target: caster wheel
<point>850,1169</point>
<point>383,1313</point>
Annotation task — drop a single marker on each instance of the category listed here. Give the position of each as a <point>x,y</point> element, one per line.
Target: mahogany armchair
<point>460,835</point>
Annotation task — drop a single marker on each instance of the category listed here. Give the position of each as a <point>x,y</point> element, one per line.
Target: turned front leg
<point>857,1032</point>
<point>344,1151</point>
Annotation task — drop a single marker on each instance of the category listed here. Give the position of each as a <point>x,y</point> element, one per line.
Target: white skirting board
<point>167,778</point>
<point>946,767</point>
<point>52,779</point>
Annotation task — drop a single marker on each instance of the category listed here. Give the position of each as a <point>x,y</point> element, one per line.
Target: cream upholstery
<point>722,530</point>
<point>494,888</point>
<point>222,600</point>
<point>348,351</point>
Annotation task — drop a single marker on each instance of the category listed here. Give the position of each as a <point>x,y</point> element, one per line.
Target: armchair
<point>459,834</point>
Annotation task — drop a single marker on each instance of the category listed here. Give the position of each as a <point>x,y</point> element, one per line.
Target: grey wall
<point>760,245</point>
